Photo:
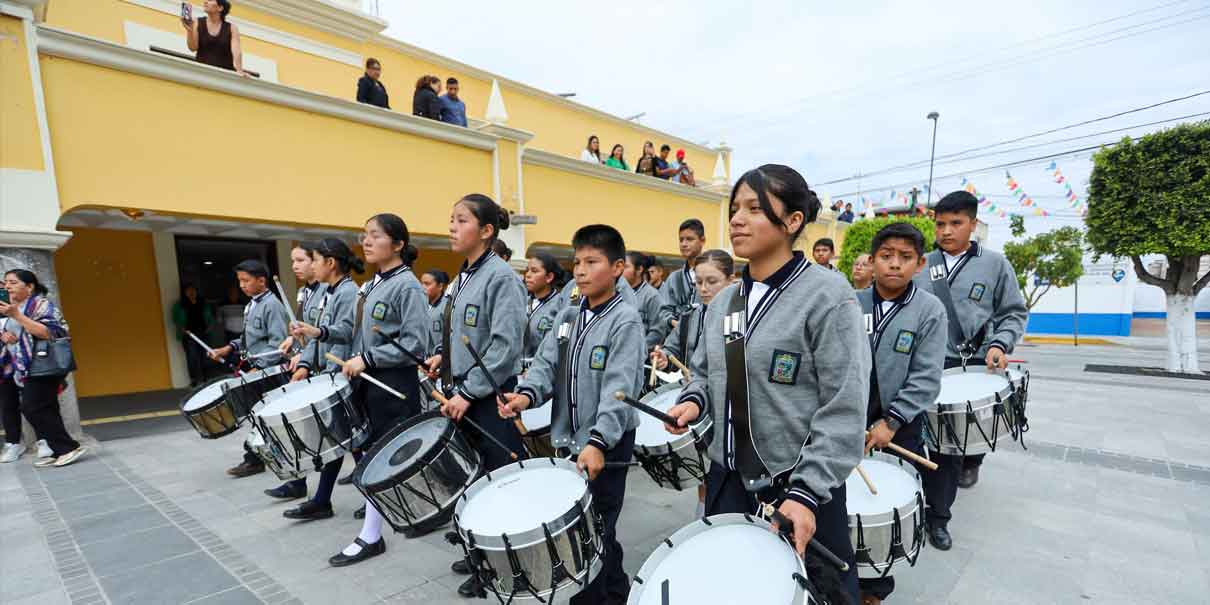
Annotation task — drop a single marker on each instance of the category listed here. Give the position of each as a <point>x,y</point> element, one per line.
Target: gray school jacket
<point>332,311</point>
<point>908,345</point>
<point>678,293</point>
<point>651,311</point>
<point>488,304</point>
<point>265,327</point>
<point>984,290</point>
<point>436,312</point>
<point>605,355</point>
<point>692,320</point>
<point>539,321</point>
<point>395,302</point>
<point>808,370</point>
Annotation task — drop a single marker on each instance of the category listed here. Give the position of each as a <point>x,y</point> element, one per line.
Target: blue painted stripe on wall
<point>1092,324</point>
<point>1164,314</point>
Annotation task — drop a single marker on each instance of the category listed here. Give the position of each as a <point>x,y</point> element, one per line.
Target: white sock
<point>700,511</point>
<point>371,530</point>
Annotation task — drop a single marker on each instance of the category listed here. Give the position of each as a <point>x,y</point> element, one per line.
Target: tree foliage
<point>859,235</point>
<point>1054,259</point>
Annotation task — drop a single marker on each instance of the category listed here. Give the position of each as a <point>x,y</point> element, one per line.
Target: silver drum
<point>974,410</point>
<point>530,531</point>
<point>414,474</point>
<point>312,422</point>
<point>673,461</point>
<point>273,457</point>
<point>888,527</point>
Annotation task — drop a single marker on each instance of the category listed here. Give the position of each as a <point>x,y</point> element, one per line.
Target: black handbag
<point>52,358</point>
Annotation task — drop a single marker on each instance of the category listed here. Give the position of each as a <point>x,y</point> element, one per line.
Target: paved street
<point>1107,506</point>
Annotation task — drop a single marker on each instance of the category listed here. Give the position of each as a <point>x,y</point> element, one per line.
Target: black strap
<point>746,460</point>
<point>447,376</point>
<point>874,403</point>
<point>683,332</point>
<point>939,276</point>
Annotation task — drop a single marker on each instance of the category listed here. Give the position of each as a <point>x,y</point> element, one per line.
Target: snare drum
<point>530,530</point>
<point>247,389</point>
<point>312,422</point>
<point>887,527</point>
<point>273,457</point>
<point>210,411</point>
<point>973,411</point>
<point>673,461</point>
<point>415,472</point>
<point>537,439</point>
<point>729,558</point>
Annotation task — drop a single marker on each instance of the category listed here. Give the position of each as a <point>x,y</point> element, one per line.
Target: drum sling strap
<point>939,275</point>
<point>682,329</point>
<point>447,376</point>
<point>746,460</point>
<point>562,375</point>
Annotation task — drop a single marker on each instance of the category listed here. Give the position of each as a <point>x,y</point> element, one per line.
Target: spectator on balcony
<point>425,102</point>
<point>661,163</point>
<point>615,158</point>
<point>370,89</point>
<point>592,151</point>
<point>681,172</point>
<point>453,110</point>
<point>646,164</point>
<point>847,215</point>
<point>214,39</point>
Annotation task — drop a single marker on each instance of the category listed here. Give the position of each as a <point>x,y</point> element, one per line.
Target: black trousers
<point>612,585</point>
<point>484,413</point>
<point>40,404</point>
<point>725,493</point>
<point>910,437</point>
<point>10,411</point>
<point>195,360</point>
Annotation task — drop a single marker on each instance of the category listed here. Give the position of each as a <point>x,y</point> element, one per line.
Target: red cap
<point>680,154</point>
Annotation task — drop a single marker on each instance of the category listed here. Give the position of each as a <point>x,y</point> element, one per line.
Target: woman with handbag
<point>36,363</point>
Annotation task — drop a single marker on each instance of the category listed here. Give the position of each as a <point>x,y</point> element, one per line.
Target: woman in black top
<point>425,102</point>
<point>215,40</point>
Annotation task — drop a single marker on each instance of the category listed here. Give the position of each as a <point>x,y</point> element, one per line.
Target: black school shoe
<point>244,469</point>
<point>969,477</point>
<point>345,480</point>
<point>472,589</point>
<point>286,491</point>
<point>308,511</point>
<point>940,538</point>
<point>461,567</point>
<point>367,551</point>
<point>360,513</point>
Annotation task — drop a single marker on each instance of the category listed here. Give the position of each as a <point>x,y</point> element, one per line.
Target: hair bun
<point>503,219</point>
<point>409,254</point>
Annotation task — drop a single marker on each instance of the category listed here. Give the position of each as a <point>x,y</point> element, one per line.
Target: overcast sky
<point>834,89</point>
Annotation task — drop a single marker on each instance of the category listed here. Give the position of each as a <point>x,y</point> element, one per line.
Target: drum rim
<point>201,387</point>
<point>959,407</point>
<point>426,458</point>
<point>676,442</point>
<point>529,537</point>
<point>221,401</point>
<point>248,379</point>
<point>906,510</point>
<point>699,526</point>
<point>340,395</point>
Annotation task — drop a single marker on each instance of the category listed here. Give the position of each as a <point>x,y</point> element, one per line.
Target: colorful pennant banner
<point>1022,197</point>
<point>983,201</point>
<point>1073,201</point>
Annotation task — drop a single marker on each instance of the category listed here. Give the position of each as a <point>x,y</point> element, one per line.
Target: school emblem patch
<point>544,324</point>
<point>379,312</point>
<point>977,291</point>
<point>905,341</point>
<point>784,367</point>
<point>312,314</point>
<point>470,317</point>
<point>259,323</point>
<point>598,357</point>
<point>436,325</point>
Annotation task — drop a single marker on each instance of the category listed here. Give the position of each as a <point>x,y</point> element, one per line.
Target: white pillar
<point>168,277</point>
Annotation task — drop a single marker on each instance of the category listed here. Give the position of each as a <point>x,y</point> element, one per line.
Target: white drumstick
<point>271,353</point>
<point>200,342</point>
<point>289,309</point>
<point>374,381</point>
<point>864,477</point>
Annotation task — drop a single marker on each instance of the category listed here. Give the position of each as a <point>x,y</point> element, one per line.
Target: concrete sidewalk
<point>1108,505</point>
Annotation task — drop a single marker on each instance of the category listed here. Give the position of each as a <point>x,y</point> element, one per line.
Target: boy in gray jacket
<point>596,351</point>
<point>648,299</point>
<point>987,317</point>
<point>679,291</point>
<point>906,327</point>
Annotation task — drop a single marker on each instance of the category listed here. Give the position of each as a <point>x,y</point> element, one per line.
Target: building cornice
<point>74,46</point>
<point>38,240</point>
<point>589,169</point>
<point>322,15</point>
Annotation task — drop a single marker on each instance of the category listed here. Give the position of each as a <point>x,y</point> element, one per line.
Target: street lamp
<point>932,116</point>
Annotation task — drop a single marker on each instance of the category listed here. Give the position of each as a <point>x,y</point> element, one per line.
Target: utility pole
<point>932,154</point>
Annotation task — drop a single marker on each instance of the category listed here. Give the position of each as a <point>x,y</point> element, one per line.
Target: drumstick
<point>621,464</point>
<point>864,477</point>
<point>281,292</point>
<point>785,525</point>
<point>913,456</point>
<point>651,376</point>
<point>684,369</point>
<point>200,342</point>
<point>642,407</point>
<point>444,402</point>
<point>492,381</point>
<point>374,381</point>
<point>391,336</point>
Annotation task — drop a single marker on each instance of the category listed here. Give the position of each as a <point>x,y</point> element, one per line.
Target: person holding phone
<point>215,39</point>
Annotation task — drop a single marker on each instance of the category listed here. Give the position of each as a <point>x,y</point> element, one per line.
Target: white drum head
<point>296,395</point>
<point>404,450</point>
<point>970,386</point>
<point>536,419</point>
<point>651,431</point>
<point>206,396</point>
<point>517,502</point>
<point>895,486</point>
<point>740,563</point>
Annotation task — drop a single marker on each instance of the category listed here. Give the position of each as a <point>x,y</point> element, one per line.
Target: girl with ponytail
<point>543,278</point>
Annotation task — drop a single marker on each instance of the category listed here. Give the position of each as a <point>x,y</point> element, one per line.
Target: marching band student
<point>328,330</point>
<point>394,302</point>
<point>906,327</point>
<point>485,304</point>
<point>655,273</point>
<point>987,317</point>
<point>265,327</point>
<point>678,290</point>
<point>435,282</point>
<point>600,343</point>
<point>570,294</point>
<point>543,278</point>
<point>655,325</point>
<point>783,368</point>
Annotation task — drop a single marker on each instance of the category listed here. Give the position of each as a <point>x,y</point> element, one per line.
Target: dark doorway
<point>208,263</point>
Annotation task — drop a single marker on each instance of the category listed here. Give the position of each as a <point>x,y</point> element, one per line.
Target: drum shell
<point>327,428</point>
<point>246,390</point>
<point>993,420</point>
<point>217,418</point>
<point>680,455</point>
<point>274,459</point>
<point>877,529</point>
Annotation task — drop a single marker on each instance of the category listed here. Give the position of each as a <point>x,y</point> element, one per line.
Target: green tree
<point>1054,259</point>
<point>859,235</point>
<point>1153,197</point>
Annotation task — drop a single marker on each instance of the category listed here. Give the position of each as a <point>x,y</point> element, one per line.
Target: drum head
<point>404,451</point>
<point>515,502</point>
<point>651,431</point>
<point>536,419</point>
<point>205,395</point>
<point>301,394</point>
<point>731,561</point>
<point>896,487</point>
<point>966,386</point>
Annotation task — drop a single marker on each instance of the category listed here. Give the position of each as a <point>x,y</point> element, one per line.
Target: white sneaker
<point>12,452</point>
<point>71,456</point>
<point>44,450</point>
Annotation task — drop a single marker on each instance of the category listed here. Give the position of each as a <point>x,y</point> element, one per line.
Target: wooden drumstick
<point>374,381</point>
<point>864,477</point>
<point>281,293</point>
<point>910,455</point>
<point>684,369</point>
<point>651,375</point>
<point>475,425</point>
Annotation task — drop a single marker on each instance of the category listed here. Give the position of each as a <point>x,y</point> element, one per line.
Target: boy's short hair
<point>372,62</point>
<point>603,238</point>
<point>695,225</point>
<point>826,242</point>
<point>958,201</point>
<point>665,147</point>
<point>451,81</point>
<point>901,230</point>
<point>253,267</point>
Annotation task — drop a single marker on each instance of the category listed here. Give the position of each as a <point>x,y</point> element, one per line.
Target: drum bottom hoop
<point>561,565</point>
<point>215,420</point>
<point>866,571</point>
<point>956,433</point>
<point>880,546</point>
<point>421,495</point>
